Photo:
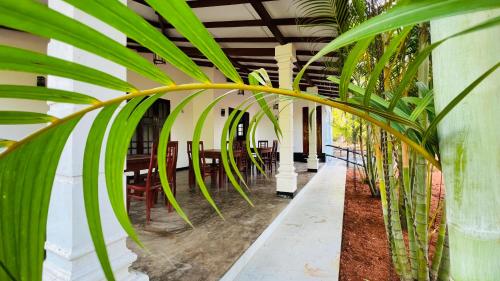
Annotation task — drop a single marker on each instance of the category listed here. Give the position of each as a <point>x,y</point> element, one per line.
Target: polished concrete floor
<point>175,251</point>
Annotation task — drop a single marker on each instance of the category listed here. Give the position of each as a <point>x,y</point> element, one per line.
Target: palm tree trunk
<point>438,253</point>
<point>409,210</point>
<point>469,147</point>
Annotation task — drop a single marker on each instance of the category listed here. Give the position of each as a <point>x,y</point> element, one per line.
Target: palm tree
<point>23,229</point>
<point>468,141</point>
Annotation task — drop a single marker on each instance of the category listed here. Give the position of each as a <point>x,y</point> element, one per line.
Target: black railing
<point>348,151</point>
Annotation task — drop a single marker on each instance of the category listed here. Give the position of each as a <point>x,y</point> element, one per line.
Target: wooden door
<point>305,130</point>
<point>319,131</point>
<point>242,127</point>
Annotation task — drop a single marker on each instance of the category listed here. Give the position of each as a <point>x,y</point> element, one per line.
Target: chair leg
<point>148,208</point>
<point>155,196</point>
<point>128,202</point>
<point>191,178</point>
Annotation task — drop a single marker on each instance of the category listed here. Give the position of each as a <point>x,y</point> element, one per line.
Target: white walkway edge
<point>304,241</point>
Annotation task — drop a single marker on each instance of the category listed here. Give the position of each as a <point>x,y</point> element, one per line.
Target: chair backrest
<point>240,153</point>
<point>275,147</point>
<point>263,144</point>
<point>238,145</point>
<point>152,178</point>
<point>190,154</point>
<point>172,153</point>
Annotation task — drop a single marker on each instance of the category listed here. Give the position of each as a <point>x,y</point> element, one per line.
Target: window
<point>240,132</point>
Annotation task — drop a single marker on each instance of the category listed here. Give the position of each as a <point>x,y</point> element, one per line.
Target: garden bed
<point>365,253</point>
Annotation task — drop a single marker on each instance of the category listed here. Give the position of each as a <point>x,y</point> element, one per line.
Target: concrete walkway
<point>304,241</point>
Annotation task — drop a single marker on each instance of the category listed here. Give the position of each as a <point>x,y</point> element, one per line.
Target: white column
<point>70,251</point>
<point>312,158</point>
<point>286,180</point>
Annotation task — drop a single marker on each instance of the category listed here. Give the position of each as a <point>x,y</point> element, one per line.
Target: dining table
<point>215,155</point>
<point>136,163</point>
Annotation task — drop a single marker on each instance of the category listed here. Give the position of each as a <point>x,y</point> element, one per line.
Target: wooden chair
<point>241,157</point>
<point>262,144</point>
<point>274,155</point>
<point>146,190</point>
<point>172,154</point>
<point>207,169</point>
<point>267,158</point>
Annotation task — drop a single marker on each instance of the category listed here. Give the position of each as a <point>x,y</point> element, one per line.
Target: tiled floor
<point>174,251</point>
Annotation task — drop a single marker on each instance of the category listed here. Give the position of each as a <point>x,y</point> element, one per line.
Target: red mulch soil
<point>365,254</point>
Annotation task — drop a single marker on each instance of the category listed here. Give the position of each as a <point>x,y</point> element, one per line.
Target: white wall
<point>26,41</point>
<point>183,128</point>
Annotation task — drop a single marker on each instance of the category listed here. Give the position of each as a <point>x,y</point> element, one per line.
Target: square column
<point>70,251</point>
<point>312,158</point>
<point>286,179</point>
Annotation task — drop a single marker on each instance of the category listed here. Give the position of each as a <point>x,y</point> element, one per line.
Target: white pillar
<point>286,180</point>
<point>312,158</point>
<point>70,251</point>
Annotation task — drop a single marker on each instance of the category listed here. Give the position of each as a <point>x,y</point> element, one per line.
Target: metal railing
<point>347,159</point>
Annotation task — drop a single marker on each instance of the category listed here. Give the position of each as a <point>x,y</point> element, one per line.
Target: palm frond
<point>22,228</point>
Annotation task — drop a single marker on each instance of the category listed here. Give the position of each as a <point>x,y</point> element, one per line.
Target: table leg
<point>222,181</point>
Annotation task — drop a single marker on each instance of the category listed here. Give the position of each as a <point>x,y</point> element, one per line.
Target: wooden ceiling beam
<point>267,19</point>
<point>261,39</point>
<point>243,23</point>
<point>249,52</point>
<point>313,73</point>
<point>208,3</point>
<point>316,82</point>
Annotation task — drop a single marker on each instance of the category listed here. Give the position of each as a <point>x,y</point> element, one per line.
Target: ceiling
<point>248,31</point>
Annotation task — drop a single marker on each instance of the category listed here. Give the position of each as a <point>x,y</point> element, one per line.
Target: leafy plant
<point>25,193</point>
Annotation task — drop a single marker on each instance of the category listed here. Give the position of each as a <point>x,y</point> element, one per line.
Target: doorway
<point>305,131</point>
<point>148,129</point>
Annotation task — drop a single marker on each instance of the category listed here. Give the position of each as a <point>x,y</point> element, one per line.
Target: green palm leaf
<point>24,201</point>
<point>24,117</point>
<point>388,53</point>
<point>27,61</point>
<point>178,13</point>
<point>350,65</point>
<point>90,179</point>
<point>45,94</point>
<point>162,153</point>
<point>422,56</point>
<point>422,105</point>
<point>39,19</point>
<point>449,107</point>
<point>224,152</point>
<point>6,143</point>
<point>232,136</point>
<point>406,13</point>
<point>254,79</point>
<point>134,26</point>
<point>120,134</point>
<point>251,137</point>
<point>196,152</point>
